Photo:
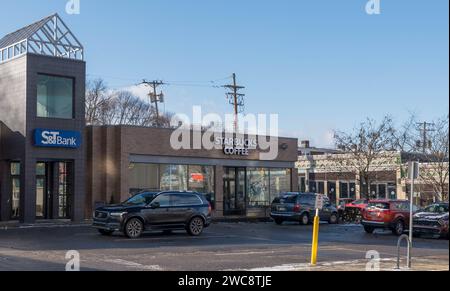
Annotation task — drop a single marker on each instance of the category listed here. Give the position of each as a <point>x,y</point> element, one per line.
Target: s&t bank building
<point>42,95</point>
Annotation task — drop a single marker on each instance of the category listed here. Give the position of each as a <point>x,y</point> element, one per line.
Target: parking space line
<point>131,264</point>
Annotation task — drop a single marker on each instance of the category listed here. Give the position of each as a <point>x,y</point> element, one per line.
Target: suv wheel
<point>304,219</point>
<point>399,228</point>
<point>369,229</point>
<point>134,228</point>
<point>279,221</point>
<point>196,226</point>
<point>333,219</point>
<point>105,232</point>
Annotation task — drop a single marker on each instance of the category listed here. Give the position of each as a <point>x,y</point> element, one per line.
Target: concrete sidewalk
<point>387,264</point>
<point>43,224</point>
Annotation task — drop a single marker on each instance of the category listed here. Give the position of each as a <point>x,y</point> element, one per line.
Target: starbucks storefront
<point>136,158</point>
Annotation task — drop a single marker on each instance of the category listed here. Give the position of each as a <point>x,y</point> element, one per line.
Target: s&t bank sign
<point>57,138</point>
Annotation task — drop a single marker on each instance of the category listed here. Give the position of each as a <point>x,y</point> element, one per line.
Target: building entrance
<point>54,190</point>
<point>234,191</point>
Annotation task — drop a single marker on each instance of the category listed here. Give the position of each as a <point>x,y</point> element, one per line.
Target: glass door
<point>42,191</point>
<point>234,191</point>
<point>65,186</point>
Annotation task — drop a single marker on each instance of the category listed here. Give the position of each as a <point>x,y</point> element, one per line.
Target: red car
<point>351,210</point>
<point>360,204</point>
<point>386,214</point>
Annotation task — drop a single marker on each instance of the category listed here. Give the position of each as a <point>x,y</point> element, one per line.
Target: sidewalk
<point>389,264</point>
<point>43,224</point>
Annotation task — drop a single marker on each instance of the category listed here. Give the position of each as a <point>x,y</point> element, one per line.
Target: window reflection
<point>258,187</point>
<point>54,97</point>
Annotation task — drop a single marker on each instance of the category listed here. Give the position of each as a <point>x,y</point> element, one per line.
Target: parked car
<point>432,220</point>
<point>386,214</point>
<point>352,211</point>
<point>360,204</point>
<point>341,206</point>
<point>299,207</point>
<point>149,211</point>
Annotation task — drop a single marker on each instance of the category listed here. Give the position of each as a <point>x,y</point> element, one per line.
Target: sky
<point>321,65</point>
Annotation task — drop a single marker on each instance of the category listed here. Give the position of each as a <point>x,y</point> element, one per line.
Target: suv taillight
<point>209,208</point>
<point>297,208</point>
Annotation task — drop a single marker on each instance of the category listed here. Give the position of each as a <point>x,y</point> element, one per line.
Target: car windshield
<point>140,199</point>
<point>438,208</point>
<point>379,205</point>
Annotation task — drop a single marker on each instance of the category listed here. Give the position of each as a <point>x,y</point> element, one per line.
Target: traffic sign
<point>319,202</point>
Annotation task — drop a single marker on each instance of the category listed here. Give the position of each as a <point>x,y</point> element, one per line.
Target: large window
<point>15,191</point>
<point>258,187</point>
<point>54,97</point>
<point>162,177</point>
<point>280,182</point>
<point>201,180</point>
<point>173,177</point>
<point>143,177</point>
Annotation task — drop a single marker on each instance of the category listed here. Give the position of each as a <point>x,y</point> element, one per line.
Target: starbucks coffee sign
<point>237,146</point>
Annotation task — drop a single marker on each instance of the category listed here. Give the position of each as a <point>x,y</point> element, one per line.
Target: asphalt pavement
<point>223,246</point>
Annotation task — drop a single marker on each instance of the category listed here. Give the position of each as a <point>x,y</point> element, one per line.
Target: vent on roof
<point>49,36</point>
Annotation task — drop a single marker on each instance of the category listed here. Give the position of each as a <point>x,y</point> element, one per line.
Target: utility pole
<point>425,128</point>
<point>154,97</point>
<point>236,99</point>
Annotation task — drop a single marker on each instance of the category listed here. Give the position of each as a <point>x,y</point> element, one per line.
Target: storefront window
<point>201,180</point>
<point>54,97</point>
<point>173,177</point>
<point>302,187</point>
<point>382,191</point>
<point>143,176</point>
<point>15,191</point>
<point>392,191</point>
<point>352,190</point>
<point>312,186</point>
<point>320,187</point>
<point>258,187</point>
<point>280,182</point>
<point>344,190</point>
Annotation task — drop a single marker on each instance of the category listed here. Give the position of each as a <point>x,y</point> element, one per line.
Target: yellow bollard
<point>315,242</point>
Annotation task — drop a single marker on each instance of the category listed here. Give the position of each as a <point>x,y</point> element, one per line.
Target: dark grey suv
<point>148,211</point>
<point>299,207</point>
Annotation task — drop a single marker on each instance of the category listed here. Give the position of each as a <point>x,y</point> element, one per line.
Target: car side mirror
<point>155,205</point>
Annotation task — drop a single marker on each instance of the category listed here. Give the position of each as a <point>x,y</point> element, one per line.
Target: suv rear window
<point>307,199</point>
<point>379,205</point>
<point>286,199</point>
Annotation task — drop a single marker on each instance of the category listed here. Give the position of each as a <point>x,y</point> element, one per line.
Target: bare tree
<point>96,99</point>
<point>436,172</point>
<point>365,147</point>
<point>405,136</point>
<point>108,107</point>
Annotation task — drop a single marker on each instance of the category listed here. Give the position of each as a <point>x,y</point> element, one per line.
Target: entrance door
<point>234,191</point>
<point>43,190</point>
<point>54,185</point>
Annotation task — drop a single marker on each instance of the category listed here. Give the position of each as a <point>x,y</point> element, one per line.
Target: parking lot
<point>223,246</point>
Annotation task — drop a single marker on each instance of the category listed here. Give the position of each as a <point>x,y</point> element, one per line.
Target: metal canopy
<point>49,36</point>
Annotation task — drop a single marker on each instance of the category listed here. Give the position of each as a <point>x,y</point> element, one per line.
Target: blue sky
<point>320,64</point>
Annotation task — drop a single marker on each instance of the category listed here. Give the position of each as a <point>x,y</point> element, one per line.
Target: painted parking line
<point>134,265</point>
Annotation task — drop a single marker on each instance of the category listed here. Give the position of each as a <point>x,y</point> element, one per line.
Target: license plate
<point>281,208</point>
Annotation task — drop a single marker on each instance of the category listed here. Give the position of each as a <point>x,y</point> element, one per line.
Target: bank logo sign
<point>57,138</point>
